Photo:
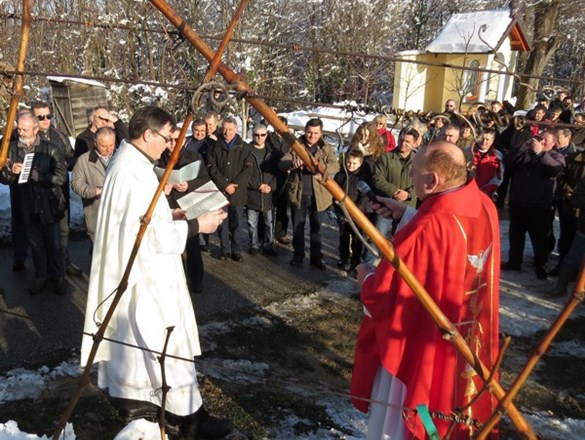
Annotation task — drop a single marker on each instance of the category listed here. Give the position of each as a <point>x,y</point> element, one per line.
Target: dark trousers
<point>45,246</point>
<point>230,230</point>
<point>568,229</point>
<point>299,217</point>
<point>194,261</point>
<point>281,216</point>
<point>349,241</point>
<point>19,240</point>
<point>64,236</point>
<point>538,223</point>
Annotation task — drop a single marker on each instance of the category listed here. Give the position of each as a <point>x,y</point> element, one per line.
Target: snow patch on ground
<point>21,383</point>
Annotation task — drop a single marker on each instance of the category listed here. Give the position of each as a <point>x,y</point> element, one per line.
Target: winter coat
<point>391,173</point>
<point>325,156</point>
<point>488,168</point>
<point>86,139</point>
<point>388,138</point>
<point>533,177</point>
<point>186,157</point>
<point>89,174</point>
<point>231,166</point>
<point>43,198</point>
<point>264,172</point>
<point>349,183</point>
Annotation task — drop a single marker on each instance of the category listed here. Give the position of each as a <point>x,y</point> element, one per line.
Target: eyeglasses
<point>167,139</point>
<point>43,117</point>
<point>259,134</point>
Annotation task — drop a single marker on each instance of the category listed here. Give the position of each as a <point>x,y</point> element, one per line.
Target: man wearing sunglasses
<point>261,187</point>
<point>99,117</point>
<point>51,134</point>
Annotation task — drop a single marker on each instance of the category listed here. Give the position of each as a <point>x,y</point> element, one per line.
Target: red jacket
<point>388,138</point>
<point>489,169</point>
<point>452,246</point>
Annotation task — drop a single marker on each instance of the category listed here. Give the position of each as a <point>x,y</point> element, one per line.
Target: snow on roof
<point>63,79</point>
<point>461,33</point>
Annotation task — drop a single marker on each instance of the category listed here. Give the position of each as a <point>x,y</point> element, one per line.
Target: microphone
<point>365,190</point>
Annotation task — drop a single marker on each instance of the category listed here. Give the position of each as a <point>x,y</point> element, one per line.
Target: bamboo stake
<point>224,42</point>
<point>98,337</point>
<point>18,81</point>
<point>576,298</point>
<point>450,331</point>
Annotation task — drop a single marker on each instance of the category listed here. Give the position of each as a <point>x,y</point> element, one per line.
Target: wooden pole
<point>17,87</point>
<point>98,337</point>
<point>576,298</point>
<point>224,42</point>
<point>386,249</point>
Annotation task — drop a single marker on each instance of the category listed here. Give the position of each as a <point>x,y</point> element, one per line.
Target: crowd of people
<point>437,186</point>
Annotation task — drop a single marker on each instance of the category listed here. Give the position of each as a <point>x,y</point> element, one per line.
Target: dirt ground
<point>308,350</point>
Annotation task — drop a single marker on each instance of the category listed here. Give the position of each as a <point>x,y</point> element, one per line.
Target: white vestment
<point>157,296</point>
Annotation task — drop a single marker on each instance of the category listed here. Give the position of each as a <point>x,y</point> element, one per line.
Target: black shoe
<point>318,264</point>
<point>197,288</point>
<point>296,261</point>
<point>60,287</point>
<point>38,286</point>
<point>18,266</point>
<point>204,248</point>
<point>73,270</point>
<point>270,252</point>
<point>554,272</point>
<point>540,272</point>
<point>509,266</point>
<point>283,240</point>
<point>253,251</point>
<point>201,425</point>
<point>237,257</point>
<point>129,409</point>
<point>223,256</point>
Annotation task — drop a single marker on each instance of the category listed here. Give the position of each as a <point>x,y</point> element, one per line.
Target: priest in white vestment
<point>157,296</point>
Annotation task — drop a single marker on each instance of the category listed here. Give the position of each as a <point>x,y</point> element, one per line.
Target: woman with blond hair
<point>381,127</point>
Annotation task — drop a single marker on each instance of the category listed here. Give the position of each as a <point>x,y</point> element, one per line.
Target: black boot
<point>129,409</point>
<point>200,425</point>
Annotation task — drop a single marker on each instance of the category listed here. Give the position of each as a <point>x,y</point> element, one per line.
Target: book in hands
<point>204,199</point>
<point>188,172</point>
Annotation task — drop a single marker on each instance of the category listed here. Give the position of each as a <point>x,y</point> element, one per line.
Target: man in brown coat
<point>307,195</point>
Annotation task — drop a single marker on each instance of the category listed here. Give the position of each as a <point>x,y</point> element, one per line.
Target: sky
<point>522,313</point>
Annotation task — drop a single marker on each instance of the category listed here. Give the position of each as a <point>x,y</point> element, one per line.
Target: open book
<point>204,199</point>
<point>188,172</point>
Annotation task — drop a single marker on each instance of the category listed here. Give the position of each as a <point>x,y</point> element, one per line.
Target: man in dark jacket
<point>533,169</point>
<point>38,201</point>
<point>99,117</point>
<point>193,261</point>
<point>49,133</point>
<point>261,187</point>
<point>230,165</point>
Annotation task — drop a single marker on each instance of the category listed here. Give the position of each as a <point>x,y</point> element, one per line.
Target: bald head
<point>438,167</point>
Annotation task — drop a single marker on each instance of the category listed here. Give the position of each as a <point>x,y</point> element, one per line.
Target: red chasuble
<point>452,246</point>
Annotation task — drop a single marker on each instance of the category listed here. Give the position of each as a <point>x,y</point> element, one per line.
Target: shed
<point>486,39</point>
<point>71,98</point>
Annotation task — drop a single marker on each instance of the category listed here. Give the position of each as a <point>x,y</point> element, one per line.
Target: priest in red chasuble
<point>452,246</point>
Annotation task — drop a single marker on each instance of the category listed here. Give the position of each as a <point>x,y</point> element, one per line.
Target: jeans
<point>268,236</point>
<point>299,217</point>
<point>229,231</point>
